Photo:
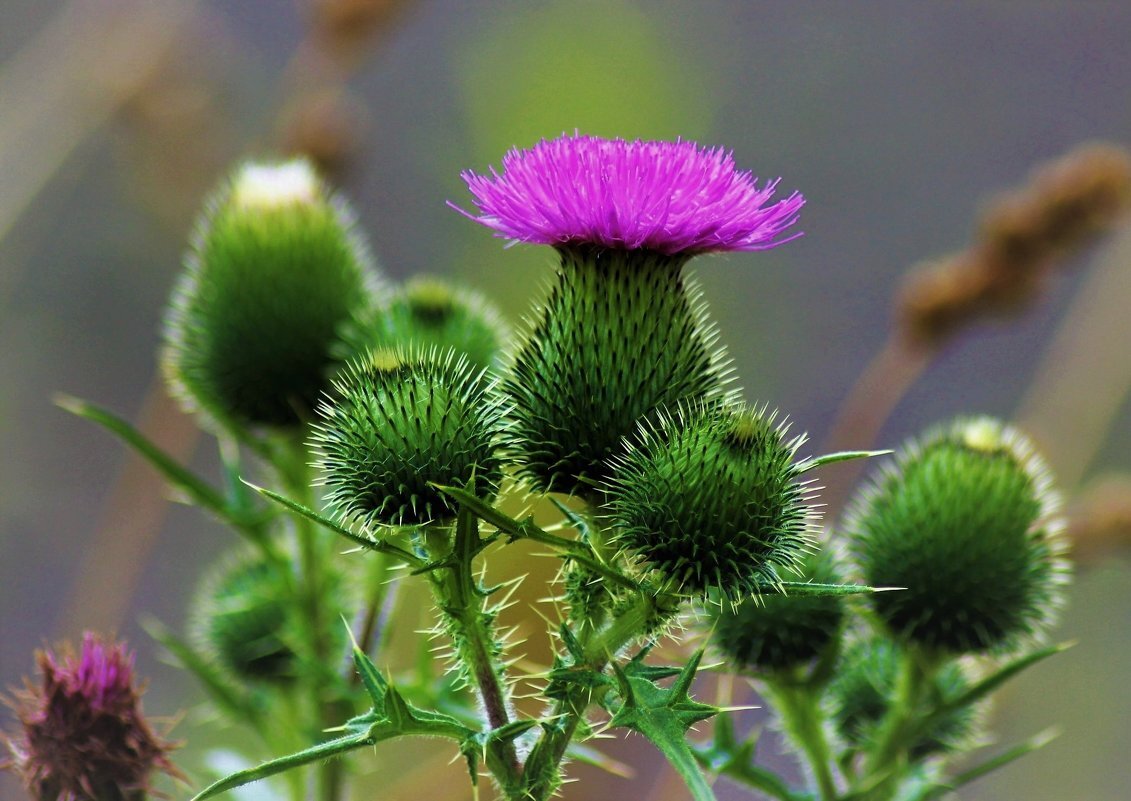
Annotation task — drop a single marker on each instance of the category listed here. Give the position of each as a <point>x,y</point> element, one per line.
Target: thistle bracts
<point>274,270</point>
<point>622,334</point>
<point>399,422</point>
<point>431,313</point>
<point>83,736</point>
<point>245,618</point>
<point>774,632</point>
<point>709,497</point>
<point>966,521</point>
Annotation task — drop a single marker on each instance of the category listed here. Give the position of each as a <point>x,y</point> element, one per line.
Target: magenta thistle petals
<point>668,197</point>
<point>83,736</point>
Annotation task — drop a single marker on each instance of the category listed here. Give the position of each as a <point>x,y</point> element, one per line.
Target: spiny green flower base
<point>621,334</point>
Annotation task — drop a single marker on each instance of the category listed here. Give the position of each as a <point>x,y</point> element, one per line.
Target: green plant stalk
<point>598,648</point>
<point>800,708</point>
<point>290,460</point>
<point>886,763</point>
<point>459,598</point>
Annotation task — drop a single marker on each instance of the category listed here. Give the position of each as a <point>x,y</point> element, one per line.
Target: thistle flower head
<point>668,197</point>
<point>400,422</point>
<point>243,615</point>
<point>710,498</point>
<point>84,737</point>
<point>612,343</point>
<point>777,632</point>
<point>275,270</point>
<point>429,312</point>
<point>967,521</point>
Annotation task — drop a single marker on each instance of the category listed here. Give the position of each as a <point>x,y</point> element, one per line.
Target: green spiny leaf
<point>664,716</point>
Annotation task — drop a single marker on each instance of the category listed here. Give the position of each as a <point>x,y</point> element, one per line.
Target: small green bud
<point>275,269</point>
<point>427,312</point>
<point>965,520</point>
<point>772,633</point>
<point>399,422</point>
<point>621,334</point>
<point>243,615</point>
<point>865,687</point>
<point>709,497</point>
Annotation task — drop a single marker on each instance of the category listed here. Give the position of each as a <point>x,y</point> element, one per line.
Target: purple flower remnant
<point>668,197</point>
<point>83,734</point>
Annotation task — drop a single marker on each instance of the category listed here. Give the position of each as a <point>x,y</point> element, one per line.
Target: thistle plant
<point>405,423</point>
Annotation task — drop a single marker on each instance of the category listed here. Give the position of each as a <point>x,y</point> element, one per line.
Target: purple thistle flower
<point>668,197</point>
<point>84,737</point>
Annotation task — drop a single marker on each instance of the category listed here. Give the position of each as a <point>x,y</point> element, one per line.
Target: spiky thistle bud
<point>275,269</point>
<point>865,688</point>
<point>710,498</point>
<point>244,616</point>
<point>771,633</point>
<point>83,735</point>
<point>428,312</point>
<point>622,333</point>
<point>965,520</point>
<point>400,422</point>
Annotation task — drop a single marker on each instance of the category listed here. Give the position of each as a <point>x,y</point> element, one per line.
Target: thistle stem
<point>883,766</point>
<point>461,601</point>
<point>799,706</point>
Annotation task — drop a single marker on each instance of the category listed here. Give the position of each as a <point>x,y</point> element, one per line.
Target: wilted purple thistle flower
<point>668,197</point>
<point>83,734</point>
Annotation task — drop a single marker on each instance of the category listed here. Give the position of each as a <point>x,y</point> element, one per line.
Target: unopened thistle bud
<point>865,688</point>
<point>275,269</point>
<point>83,736</point>
<point>774,632</point>
<point>244,616</point>
<point>965,520</point>
<point>623,332</point>
<point>398,423</point>
<point>710,498</point>
<point>430,313</point>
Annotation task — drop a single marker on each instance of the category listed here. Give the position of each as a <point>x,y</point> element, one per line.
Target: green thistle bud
<point>865,687</point>
<point>621,334</point>
<point>243,615</point>
<point>965,521</point>
<point>275,269</point>
<point>427,312</point>
<point>400,422</point>
<point>710,498</point>
<point>772,633</point>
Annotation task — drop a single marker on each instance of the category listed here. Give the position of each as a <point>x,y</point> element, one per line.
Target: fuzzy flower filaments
<point>83,734</point>
<point>623,332</point>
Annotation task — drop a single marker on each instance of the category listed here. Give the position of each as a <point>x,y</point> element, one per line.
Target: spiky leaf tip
<point>276,267</point>
<point>621,334</point>
<point>966,520</point>
<point>709,498</point>
<point>399,422</point>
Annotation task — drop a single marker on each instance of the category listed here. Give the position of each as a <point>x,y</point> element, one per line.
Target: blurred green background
<point>897,120</point>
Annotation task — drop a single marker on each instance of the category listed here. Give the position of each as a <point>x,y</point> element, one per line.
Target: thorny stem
<point>598,646</point>
<point>459,597</point>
